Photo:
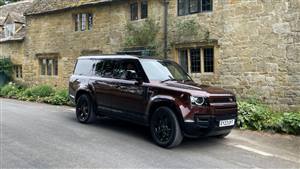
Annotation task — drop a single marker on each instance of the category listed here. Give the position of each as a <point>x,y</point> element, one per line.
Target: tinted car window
<point>125,69</point>
<point>105,68</point>
<point>84,67</point>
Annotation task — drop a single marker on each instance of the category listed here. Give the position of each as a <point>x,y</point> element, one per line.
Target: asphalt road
<point>42,136</point>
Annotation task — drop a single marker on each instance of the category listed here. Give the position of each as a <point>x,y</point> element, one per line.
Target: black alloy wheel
<point>165,128</point>
<point>85,109</point>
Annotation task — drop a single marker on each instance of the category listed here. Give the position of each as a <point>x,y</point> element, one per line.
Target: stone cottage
<point>12,34</point>
<point>249,46</point>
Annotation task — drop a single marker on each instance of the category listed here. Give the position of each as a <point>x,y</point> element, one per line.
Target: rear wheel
<point>165,128</point>
<point>85,109</point>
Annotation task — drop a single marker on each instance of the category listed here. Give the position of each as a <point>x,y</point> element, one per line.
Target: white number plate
<point>225,123</point>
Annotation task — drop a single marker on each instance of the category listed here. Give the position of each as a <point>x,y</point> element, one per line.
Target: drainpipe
<point>166,4</point>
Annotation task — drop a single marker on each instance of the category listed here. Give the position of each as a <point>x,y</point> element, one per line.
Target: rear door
<point>103,84</point>
<point>130,97</point>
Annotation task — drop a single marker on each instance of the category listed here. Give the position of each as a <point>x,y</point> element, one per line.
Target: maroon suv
<point>151,92</point>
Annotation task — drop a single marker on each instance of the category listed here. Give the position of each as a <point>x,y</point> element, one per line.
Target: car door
<point>103,84</point>
<point>130,96</point>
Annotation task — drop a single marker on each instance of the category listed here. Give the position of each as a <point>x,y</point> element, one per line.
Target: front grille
<point>221,100</point>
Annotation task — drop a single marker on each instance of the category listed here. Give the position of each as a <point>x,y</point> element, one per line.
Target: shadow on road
<point>119,127</point>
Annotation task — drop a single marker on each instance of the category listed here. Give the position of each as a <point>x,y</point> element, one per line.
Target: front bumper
<point>208,125</point>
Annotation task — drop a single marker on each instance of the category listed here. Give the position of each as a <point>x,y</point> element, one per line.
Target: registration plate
<point>226,123</point>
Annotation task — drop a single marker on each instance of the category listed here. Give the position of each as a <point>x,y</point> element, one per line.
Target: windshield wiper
<point>170,79</point>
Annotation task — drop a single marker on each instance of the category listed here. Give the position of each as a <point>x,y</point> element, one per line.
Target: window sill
<point>139,20</point>
<point>197,14</point>
<point>206,73</point>
<point>46,76</point>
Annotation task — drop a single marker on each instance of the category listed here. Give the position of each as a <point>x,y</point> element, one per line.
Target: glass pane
<point>84,67</point>
<point>90,21</point>
<point>194,6</point>
<point>105,68</point>
<point>144,9</point>
<point>206,5</point>
<point>182,7</point>
<point>83,22</point>
<point>43,66</point>
<point>134,11</point>
<point>209,60</point>
<point>55,67</point>
<point>163,70</point>
<point>49,67</point>
<point>76,20</point>
<point>183,59</point>
<point>21,72</point>
<point>195,60</point>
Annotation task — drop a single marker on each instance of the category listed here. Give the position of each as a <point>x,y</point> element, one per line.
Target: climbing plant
<point>142,34</point>
<point>187,31</point>
<point>6,67</point>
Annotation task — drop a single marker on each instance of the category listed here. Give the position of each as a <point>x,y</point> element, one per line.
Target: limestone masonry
<point>251,47</point>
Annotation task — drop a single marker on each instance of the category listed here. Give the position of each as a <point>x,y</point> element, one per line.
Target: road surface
<point>43,136</point>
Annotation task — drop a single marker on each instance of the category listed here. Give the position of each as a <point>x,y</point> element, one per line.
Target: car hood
<point>196,89</point>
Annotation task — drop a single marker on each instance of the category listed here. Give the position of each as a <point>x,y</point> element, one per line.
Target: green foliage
<point>42,93</point>
<point>59,98</point>
<point>6,67</point>
<point>188,31</point>
<point>256,116</point>
<point>141,34</point>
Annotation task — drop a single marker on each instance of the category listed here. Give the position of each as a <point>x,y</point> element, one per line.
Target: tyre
<point>85,109</point>
<point>165,128</point>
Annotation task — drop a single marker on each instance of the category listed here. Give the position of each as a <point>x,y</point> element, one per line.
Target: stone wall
<point>54,34</point>
<point>258,48</point>
<point>13,50</point>
<point>257,44</point>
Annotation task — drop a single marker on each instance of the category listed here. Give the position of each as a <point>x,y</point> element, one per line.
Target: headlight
<point>199,101</point>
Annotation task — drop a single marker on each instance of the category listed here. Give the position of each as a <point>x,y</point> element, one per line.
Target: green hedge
<point>256,116</point>
<point>41,93</point>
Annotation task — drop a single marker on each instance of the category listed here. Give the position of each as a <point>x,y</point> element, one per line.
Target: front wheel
<point>165,128</point>
<point>85,111</point>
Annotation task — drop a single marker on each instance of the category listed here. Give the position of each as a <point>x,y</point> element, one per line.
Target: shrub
<point>256,116</point>
<point>9,90</point>
<point>40,91</point>
<point>59,98</point>
<point>290,123</point>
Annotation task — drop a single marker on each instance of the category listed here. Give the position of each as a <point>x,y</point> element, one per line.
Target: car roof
<point>109,57</point>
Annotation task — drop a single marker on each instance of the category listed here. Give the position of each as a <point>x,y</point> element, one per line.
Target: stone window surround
<point>201,45</point>
<point>139,12</point>
<point>18,71</point>
<point>77,24</point>
<point>41,56</point>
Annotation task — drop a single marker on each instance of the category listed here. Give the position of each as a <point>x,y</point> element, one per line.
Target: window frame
<point>144,3</point>
<point>18,71</point>
<point>202,59</point>
<point>52,66</point>
<point>136,16</point>
<point>187,8</point>
<point>83,21</point>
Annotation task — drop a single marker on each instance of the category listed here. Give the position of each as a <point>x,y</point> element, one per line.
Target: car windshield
<point>164,70</point>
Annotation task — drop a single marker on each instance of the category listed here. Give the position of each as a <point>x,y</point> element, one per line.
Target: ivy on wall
<point>188,31</point>
<point>142,34</point>
<point>6,67</point>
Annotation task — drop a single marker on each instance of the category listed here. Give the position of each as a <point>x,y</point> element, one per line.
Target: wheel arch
<point>165,103</point>
<point>81,92</point>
